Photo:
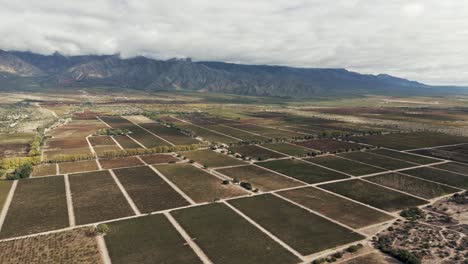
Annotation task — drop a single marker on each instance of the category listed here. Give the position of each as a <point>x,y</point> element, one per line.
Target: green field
<point>302,170</point>
<point>261,179</point>
<point>373,195</point>
<point>386,163</point>
<point>228,238</point>
<point>344,165</point>
<point>288,149</point>
<point>415,186</point>
<point>198,184</point>
<point>445,177</point>
<point>256,152</point>
<point>38,205</point>
<point>403,156</point>
<point>149,191</point>
<point>211,158</point>
<point>306,232</point>
<point>96,197</point>
<point>148,239</point>
<point>340,209</point>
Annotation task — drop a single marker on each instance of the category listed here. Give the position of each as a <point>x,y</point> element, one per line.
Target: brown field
<point>198,184</point>
<point>261,179</point>
<point>329,145</point>
<point>44,170</point>
<point>126,142</point>
<point>68,143</point>
<point>77,129</point>
<point>96,197</point>
<point>256,152</point>
<point>75,247</point>
<point>340,209</point>
<point>211,158</point>
<point>38,205</point>
<point>120,162</point>
<point>158,158</point>
<point>78,166</point>
<point>149,191</point>
<point>12,145</point>
<point>101,141</point>
<point>52,154</point>
<point>372,258</point>
<point>101,150</point>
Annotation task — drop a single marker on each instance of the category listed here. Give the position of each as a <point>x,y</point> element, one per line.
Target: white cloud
<point>421,40</point>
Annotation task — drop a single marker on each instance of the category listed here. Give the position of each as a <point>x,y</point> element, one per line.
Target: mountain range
<point>20,69</point>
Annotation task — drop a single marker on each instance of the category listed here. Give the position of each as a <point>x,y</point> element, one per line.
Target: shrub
<point>102,229</point>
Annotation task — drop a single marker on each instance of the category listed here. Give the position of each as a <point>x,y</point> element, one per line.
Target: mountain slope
<point>149,74</point>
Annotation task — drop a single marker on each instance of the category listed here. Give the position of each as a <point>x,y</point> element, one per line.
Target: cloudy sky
<point>422,40</point>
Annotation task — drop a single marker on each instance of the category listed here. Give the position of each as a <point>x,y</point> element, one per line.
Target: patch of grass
<point>256,152</point>
<point>344,165</point>
<point>149,191</point>
<point>424,189</point>
<point>96,197</point>
<point>261,179</point>
<point>445,177</point>
<point>386,163</point>
<point>198,184</point>
<point>38,205</point>
<point>340,209</point>
<point>228,238</point>
<point>306,232</point>
<point>148,239</point>
<point>302,170</point>
<point>211,158</point>
<point>373,195</point>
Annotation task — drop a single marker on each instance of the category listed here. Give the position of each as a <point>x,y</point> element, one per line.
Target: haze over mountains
<point>26,69</point>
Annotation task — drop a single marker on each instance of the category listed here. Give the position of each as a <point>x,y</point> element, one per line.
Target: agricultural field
<point>412,185</point>
<point>126,142</point>
<point>378,161</point>
<point>403,156</point>
<point>15,144</point>
<point>453,167</point>
<point>256,152</point>
<point>237,133</point>
<point>44,170</point>
<point>374,195</point>
<point>302,170</point>
<point>148,239</point>
<point>101,141</point>
<point>344,165</point>
<point>91,205</point>
<point>198,184</point>
<point>66,143</point>
<point>211,158</point>
<point>329,145</point>
<point>340,209</point>
<point>38,205</point>
<point>266,131</point>
<point>289,149</point>
<point>259,178</point>
<point>415,140</point>
<point>120,162</point>
<point>206,134</point>
<point>149,191</point>
<point>74,246</point>
<point>78,166</point>
<point>304,231</point>
<point>54,154</point>
<point>372,258</point>
<point>159,158</point>
<point>440,176</point>
<point>4,190</point>
<point>212,224</point>
<point>170,134</point>
<point>101,150</point>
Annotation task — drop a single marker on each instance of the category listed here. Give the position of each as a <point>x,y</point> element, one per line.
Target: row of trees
<point>16,162</point>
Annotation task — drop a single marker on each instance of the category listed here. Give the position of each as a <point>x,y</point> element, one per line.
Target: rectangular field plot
<point>96,197</point>
<point>120,162</point>
<point>68,143</point>
<point>453,167</point>
<point>4,190</point>
<point>403,156</point>
<point>149,239</point>
<point>340,209</point>
<point>38,205</point>
<point>44,170</point>
<point>373,195</point>
<point>266,131</point>
<point>442,154</point>
<point>403,141</point>
<point>225,236</point>
<point>78,166</point>
<point>206,134</point>
<point>170,134</point>
<point>304,231</point>
<point>233,132</point>
<point>211,158</point>
<point>198,184</point>
<point>158,158</point>
<point>256,152</point>
<point>53,154</point>
<point>415,186</point>
<point>289,149</point>
<point>73,246</point>
<point>261,179</point>
<point>445,177</point>
<point>101,150</point>
<point>126,142</point>
<point>302,170</point>
<point>329,145</point>
<point>345,166</point>
<point>101,141</point>
<point>379,161</point>
<point>149,191</point>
